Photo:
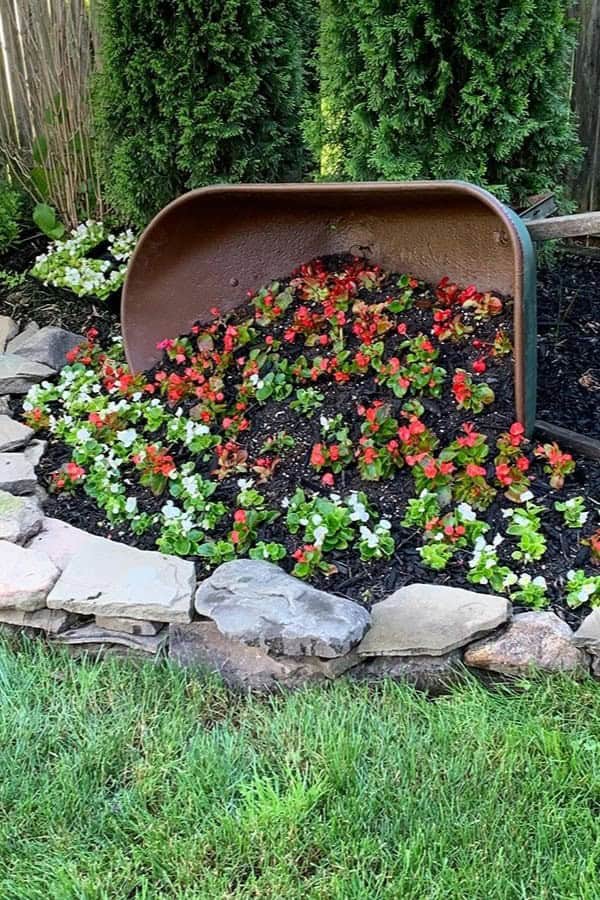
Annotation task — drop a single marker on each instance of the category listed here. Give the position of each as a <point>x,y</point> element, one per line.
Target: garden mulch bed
<point>569,344</point>
<point>370,582</point>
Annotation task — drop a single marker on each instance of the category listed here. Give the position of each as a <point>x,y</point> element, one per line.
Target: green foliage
<point>474,89</point>
<point>47,221</point>
<point>193,93</point>
<point>10,211</point>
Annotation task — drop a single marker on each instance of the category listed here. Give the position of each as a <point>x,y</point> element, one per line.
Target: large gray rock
<point>5,409</point>
<point>431,620</point>
<point>587,635</point>
<point>48,345</point>
<point>109,579</point>
<point>18,374</point>
<point>434,674</point>
<point>201,645</point>
<point>61,541</point>
<point>34,451</point>
<point>533,640</point>
<point>26,577</point>
<point>21,518</point>
<point>259,604</point>
<point>17,475</point>
<point>129,626</point>
<point>13,434</point>
<point>52,621</point>
<point>22,338</point>
<point>8,329</point>
<point>91,634</point>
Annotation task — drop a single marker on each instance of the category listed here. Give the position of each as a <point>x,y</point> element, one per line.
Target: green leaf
<point>45,218</point>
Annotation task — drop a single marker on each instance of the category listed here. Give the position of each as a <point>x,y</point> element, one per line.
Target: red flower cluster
<point>67,477</point>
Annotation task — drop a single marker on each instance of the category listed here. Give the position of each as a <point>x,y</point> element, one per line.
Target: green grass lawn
<point>121,781</point>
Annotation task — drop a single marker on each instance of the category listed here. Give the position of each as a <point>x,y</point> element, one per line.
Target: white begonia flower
<point>127,437</point>
<point>540,581</point>
<point>358,510</point>
<point>369,536</point>
<point>83,435</point>
<point>384,525</point>
<point>586,592</point>
<point>316,519</point>
<point>320,535</point>
<point>324,422</point>
<point>497,540</point>
<point>131,505</point>
<point>285,501</point>
<point>466,512</point>
<point>245,484</point>
<point>526,495</point>
<point>170,511</point>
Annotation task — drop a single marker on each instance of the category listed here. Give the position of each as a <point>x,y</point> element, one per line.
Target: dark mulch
<point>569,344</point>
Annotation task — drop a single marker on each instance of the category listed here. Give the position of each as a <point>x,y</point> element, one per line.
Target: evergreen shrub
<point>192,92</point>
<point>471,89</point>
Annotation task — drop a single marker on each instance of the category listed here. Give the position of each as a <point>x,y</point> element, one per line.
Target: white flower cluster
<point>67,264</point>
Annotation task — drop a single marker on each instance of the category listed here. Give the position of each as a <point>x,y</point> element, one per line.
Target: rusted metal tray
<point>210,246</point>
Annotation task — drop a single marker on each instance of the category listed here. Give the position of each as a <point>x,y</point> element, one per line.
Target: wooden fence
<point>585,185</point>
<point>47,53</point>
<point>61,37</point>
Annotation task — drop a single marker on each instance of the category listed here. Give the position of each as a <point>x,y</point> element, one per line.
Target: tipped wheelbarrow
<point>210,246</point>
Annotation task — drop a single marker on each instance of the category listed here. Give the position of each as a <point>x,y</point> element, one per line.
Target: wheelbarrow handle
<point>578,225</point>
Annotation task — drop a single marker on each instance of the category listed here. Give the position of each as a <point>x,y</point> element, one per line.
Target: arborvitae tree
<point>193,92</point>
<point>471,89</point>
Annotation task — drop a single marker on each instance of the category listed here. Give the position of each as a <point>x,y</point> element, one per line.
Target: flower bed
<point>354,426</point>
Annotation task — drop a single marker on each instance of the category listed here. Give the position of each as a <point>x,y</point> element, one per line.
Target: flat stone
<point>18,374</point>
<point>129,626</point>
<point>587,635</point>
<point>434,674</point>
<point>431,620</point>
<point>61,541</point>
<point>5,409</point>
<point>13,434</point>
<point>21,518</point>
<point>17,475</point>
<point>533,640</point>
<point>23,337</point>
<point>91,634</point>
<point>48,345</point>
<point>26,577</point>
<point>201,645</point>
<point>106,578</point>
<point>52,621</point>
<point>34,451</point>
<point>8,330</point>
<point>259,604</point>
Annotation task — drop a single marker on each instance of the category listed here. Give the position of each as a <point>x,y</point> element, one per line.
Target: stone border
<point>255,625</point>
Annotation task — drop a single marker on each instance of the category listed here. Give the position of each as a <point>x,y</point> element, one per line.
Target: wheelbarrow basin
<point>212,245</point>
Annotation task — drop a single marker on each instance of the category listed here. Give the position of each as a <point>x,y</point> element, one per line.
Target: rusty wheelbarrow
<point>210,246</point>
